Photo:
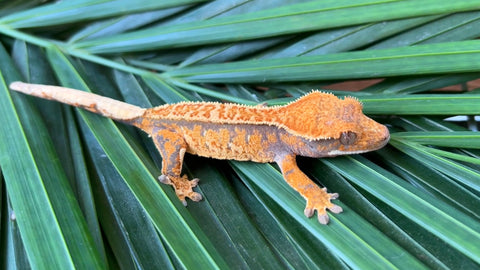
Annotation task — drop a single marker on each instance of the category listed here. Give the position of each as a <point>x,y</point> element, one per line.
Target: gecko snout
<point>375,136</point>
<point>384,136</point>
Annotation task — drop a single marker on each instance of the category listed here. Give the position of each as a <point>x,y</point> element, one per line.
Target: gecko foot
<point>320,201</point>
<point>183,187</point>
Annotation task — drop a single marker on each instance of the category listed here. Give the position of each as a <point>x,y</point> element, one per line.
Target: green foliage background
<point>79,191</point>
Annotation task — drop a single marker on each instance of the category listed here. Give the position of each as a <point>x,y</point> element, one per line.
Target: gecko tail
<point>105,106</point>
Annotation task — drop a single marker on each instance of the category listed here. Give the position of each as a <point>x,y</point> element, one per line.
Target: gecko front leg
<point>172,148</point>
<point>317,198</point>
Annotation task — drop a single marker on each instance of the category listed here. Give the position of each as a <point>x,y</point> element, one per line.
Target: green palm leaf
<point>81,190</point>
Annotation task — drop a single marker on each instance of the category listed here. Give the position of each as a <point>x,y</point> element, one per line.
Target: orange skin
<point>316,125</point>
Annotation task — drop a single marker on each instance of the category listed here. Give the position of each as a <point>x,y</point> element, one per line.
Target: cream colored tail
<point>95,103</point>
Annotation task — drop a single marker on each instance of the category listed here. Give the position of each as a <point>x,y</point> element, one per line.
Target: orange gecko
<point>315,125</point>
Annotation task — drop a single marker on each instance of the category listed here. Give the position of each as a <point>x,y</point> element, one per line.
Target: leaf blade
<point>296,18</point>
<point>28,196</point>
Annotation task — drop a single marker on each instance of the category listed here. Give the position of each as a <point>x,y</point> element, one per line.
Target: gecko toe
<point>194,182</point>
<point>308,212</point>
<point>335,209</point>
<point>195,196</point>
<point>333,196</point>
<point>164,179</point>
<point>323,219</point>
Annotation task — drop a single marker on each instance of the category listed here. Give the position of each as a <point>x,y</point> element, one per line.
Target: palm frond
<point>81,190</point>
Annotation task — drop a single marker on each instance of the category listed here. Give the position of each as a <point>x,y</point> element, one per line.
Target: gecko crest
<point>322,114</point>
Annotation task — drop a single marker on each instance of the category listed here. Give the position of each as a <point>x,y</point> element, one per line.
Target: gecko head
<point>356,133</point>
<point>361,134</point>
<point>336,126</point>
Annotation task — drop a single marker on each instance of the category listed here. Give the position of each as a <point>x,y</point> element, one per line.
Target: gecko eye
<point>347,138</point>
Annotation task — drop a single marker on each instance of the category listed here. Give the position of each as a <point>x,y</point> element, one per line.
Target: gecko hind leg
<point>317,198</point>
<point>172,148</point>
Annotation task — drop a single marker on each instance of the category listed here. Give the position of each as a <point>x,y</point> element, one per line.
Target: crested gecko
<point>315,125</point>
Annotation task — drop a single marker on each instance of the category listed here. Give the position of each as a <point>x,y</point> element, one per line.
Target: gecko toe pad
<point>335,209</point>
<point>164,179</point>
<point>323,219</point>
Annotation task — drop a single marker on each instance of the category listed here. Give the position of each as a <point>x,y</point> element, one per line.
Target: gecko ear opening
<point>348,137</point>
